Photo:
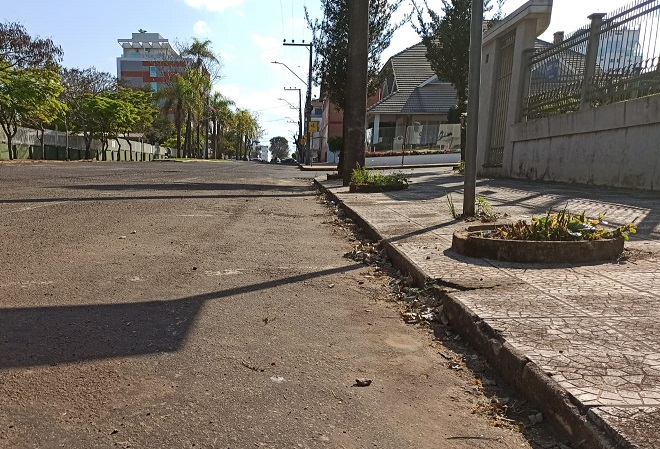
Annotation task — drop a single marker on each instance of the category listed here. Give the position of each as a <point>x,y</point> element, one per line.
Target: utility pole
<point>300,125</point>
<point>308,100</point>
<point>476,40</point>
<point>355,111</point>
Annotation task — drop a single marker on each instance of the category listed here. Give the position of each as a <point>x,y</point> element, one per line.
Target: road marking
<point>196,215</point>
<point>28,208</point>
<point>224,273</point>
<point>180,181</point>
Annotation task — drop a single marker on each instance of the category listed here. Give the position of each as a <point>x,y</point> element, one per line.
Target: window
<point>152,71</point>
<point>154,87</point>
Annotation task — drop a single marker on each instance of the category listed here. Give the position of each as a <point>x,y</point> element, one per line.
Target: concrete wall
<point>616,145</point>
<point>29,147</point>
<point>449,158</point>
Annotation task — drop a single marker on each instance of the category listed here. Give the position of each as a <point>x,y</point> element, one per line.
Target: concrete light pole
<point>308,100</point>
<point>300,125</point>
<point>476,40</point>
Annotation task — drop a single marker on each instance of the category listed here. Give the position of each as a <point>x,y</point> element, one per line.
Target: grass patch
<point>362,176</point>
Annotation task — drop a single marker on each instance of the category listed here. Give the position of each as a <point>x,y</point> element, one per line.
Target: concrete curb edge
<point>551,399</point>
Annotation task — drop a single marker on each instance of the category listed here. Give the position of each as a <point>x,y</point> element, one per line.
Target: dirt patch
<point>484,392</point>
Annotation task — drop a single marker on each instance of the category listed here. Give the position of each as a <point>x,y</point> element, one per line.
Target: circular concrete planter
<point>470,243</point>
<point>369,188</point>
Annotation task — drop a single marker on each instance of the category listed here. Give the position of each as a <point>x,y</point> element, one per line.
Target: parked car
<point>289,160</point>
<point>256,159</point>
<point>275,160</point>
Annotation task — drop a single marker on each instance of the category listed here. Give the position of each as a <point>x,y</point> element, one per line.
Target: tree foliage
<point>446,36</point>
<point>20,50</point>
<point>28,96</point>
<point>279,147</point>
<point>331,44</point>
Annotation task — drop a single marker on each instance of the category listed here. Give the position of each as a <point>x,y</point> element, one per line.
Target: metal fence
<point>614,58</point>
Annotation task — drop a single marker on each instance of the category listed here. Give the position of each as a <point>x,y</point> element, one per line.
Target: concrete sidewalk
<point>582,341</point>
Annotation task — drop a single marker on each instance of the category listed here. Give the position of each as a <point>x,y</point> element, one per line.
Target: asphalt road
<point>207,305</point>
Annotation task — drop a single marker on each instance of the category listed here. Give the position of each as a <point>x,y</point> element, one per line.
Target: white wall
<point>616,145</point>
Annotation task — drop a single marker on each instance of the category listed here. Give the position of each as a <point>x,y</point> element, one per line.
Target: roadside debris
<point>362,382</point>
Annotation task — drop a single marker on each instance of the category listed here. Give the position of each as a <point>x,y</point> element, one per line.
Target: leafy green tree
<point>136,114</point>
<point>279,147</point>
<point>331,44</point>
<point>78,83</point>
<point>28,96</point>
<point>160,130</point>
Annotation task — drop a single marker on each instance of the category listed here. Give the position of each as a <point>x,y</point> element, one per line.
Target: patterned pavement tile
<point>595,362</point>
<point>593,328</point>
<point>634,424</point>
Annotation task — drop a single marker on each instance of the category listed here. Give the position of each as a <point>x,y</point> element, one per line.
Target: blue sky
<point>248,34</point>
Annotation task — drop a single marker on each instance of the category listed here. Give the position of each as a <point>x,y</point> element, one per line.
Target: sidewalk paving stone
<point>592,328</point>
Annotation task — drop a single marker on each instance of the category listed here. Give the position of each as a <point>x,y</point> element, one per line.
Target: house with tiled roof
<point>413,106</point>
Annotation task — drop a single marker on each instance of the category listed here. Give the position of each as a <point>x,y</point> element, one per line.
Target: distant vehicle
<point>256,159</point>
<point>275,160</point>
<point>289,160</point>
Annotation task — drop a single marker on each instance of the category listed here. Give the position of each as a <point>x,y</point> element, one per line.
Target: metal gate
<point>501,107</point>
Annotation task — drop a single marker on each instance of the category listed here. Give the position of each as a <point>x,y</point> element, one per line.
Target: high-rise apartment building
<point>148,60</point>
<point>619,50</point>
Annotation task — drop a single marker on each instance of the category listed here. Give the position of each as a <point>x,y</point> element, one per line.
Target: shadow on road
<point>65,334</point>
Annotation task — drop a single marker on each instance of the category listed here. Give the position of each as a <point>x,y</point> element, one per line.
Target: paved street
<point>171,305</point>
<point>592,329</point>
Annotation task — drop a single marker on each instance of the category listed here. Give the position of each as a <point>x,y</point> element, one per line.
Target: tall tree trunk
<point>197,145</point>
<point>214,135</point>
<point>355,109</point>
<point>178,125</point>
<point>66,134</point>
<point>188,136</point>
<point>118,150</point>
<point>10,148</point>
<point>88,145</point>
<point>130,147</point>
<point>41,139</point>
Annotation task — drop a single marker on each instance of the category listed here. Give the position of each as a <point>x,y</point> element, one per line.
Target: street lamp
<point>290,105</point>
<point>289,69</point>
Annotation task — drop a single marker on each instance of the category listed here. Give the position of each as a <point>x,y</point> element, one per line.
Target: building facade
<point>148,60</point>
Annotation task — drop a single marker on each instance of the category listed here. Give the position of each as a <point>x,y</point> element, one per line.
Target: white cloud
<point>269,46</point>
<point>213,5</point>
<point>201,29</point>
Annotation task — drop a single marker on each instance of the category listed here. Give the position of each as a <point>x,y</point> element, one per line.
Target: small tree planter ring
<point>470,243</point>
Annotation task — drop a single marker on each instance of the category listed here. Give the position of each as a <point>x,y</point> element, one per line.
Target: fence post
<point>591,58</point>
<point>525,85</point>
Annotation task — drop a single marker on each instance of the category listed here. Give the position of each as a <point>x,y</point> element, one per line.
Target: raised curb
<point>549,397</point>
<point>376,167</point>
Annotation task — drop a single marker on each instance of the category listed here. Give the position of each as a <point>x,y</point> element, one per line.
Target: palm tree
<point>220,114</point>
<point>206,65</point>
<point>176,99</point>
<point>247,128</point>
<point>203,54</point>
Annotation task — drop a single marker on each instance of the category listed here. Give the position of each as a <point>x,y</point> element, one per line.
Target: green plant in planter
<point>562,226</point>
<point>361,175</point>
